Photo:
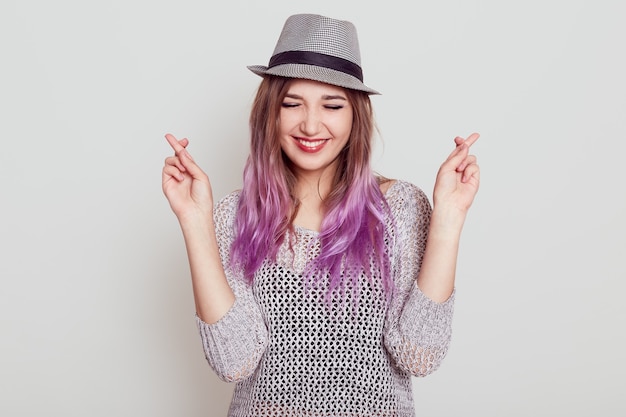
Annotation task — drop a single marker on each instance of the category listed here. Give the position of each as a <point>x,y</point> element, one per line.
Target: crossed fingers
<point>469,141</point>
<point>179,150</point>
<point>463,146</point>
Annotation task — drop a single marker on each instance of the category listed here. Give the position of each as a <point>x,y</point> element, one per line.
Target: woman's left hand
<point>458,177</point>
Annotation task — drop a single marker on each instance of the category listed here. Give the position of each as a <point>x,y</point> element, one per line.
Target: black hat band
<point>317,59</point>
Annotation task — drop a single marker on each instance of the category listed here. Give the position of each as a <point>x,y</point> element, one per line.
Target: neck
<point>314,186</point>
<point>310,190</point>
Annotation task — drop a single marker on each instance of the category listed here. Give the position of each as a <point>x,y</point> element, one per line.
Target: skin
<point>455,188</point>
<point>312,112</point>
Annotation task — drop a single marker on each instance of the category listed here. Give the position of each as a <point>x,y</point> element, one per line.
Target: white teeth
<point>310,143</point>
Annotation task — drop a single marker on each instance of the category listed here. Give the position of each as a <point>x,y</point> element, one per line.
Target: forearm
<point>212,294</point>
<point>438,270</point>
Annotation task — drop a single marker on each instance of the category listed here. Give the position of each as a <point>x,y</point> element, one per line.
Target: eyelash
<point>328,106</point>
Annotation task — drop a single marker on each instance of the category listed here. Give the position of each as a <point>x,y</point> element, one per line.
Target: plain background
<point>96,310</point>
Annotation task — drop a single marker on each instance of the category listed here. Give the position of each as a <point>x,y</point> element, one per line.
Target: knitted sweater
<point>291,354</point>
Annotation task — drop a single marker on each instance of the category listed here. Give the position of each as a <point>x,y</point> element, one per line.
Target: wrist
<point>446,222</point>
<point>192,221</point>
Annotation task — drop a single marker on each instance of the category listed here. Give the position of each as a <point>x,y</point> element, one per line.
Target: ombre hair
<point>353,230</point>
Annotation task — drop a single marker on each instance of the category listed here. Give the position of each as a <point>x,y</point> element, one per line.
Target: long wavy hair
<point>353,232</point>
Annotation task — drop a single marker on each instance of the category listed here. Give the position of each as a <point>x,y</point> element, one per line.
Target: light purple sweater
<point>293,355</point>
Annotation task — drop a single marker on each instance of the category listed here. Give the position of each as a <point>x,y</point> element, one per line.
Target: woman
<point>319,287</point>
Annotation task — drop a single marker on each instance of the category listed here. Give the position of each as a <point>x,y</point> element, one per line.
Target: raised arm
<point>456,185</point>
<point>188,191</point>
<point>233,333</point>
<point>418,327</point>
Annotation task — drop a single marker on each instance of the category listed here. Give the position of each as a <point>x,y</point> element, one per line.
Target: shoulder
<point>229,202</point>
<point>403,194</point>
<point>225,210</point>
<point>409,211</point>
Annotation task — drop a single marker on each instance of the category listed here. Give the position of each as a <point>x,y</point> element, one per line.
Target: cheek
<point>346,126</point>
<point>286,121</point>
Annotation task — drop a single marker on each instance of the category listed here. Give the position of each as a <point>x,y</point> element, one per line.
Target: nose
<point>310,124</point>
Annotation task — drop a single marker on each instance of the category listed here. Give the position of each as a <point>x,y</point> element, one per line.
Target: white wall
<point>96,309</point>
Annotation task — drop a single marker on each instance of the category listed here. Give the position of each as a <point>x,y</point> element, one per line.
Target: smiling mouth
<point>308,145</point>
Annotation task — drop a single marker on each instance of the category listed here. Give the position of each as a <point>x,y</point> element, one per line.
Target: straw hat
<point>317,48</point>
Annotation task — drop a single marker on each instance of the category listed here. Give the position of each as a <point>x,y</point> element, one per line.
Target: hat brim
<point>315,73</point>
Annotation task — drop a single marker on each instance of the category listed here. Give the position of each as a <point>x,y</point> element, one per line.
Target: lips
<point>310,145</point>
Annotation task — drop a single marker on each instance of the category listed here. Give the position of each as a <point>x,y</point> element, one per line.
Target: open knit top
<point>291,354</point>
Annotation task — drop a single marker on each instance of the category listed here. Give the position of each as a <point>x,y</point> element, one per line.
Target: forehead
<point>303,87</point>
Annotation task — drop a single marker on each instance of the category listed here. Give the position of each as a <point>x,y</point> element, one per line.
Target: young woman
<point>320,288</point>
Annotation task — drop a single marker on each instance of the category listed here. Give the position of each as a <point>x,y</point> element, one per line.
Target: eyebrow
<point>324,97</point>
<point>333,97</point>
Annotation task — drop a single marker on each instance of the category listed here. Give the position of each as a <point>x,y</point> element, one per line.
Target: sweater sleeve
<point>234,345</point>
<point>417,329</point>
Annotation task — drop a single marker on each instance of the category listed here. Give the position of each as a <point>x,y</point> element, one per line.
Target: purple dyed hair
<point>353,231</point>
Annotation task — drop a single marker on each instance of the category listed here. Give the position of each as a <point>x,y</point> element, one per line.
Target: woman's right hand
<point>185,185</point>
<point>188,191</point>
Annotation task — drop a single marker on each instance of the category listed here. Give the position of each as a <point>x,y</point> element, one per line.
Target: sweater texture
<point>293,354</point>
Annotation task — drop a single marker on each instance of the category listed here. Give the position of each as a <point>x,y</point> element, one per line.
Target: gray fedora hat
<point>317,48</point>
